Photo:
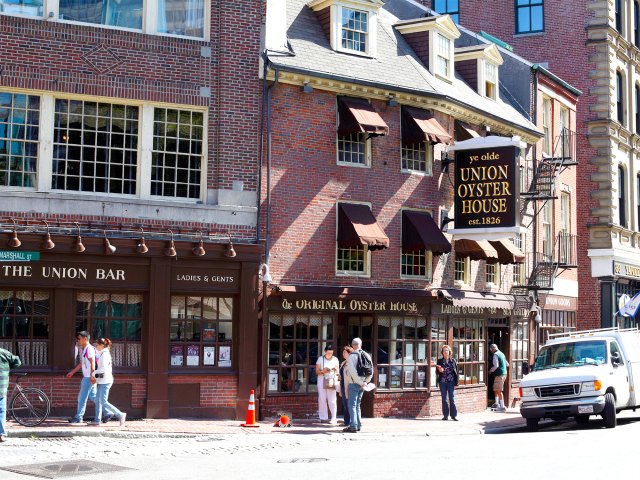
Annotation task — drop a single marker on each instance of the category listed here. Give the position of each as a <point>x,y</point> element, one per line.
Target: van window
<point>592,352</point>
<point>615,349</point>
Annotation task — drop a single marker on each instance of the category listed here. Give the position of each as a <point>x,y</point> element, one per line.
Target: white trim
<point>145,144</point>
<point>45,148</point>
<point>487,142</point>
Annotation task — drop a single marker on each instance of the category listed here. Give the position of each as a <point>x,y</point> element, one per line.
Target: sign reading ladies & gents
<point>486,188</point>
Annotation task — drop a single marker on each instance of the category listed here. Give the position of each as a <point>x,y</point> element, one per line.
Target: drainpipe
<point>267,239</point>
<point>265,59</point>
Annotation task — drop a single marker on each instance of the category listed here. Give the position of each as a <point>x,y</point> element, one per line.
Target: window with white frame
<point>417,157</point>
<point>490,80</point>
<point>185,18</point>
<point>547,228</point>
<point>178,137</point>
<point>443,55</point>
<point>546,125</point>
<point>95,147</point>
<point>354,30</point>
<point>518,268</point>
<point>19,136</point>
<point>461,270</point>
<point>353,260</point>
<point>353,148</point>
<point>492,274</point>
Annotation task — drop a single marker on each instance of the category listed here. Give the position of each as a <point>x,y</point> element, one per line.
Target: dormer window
<point>443,59</point>
<point>490,80</point>
<point>478,66</point>
<point>350,24</point>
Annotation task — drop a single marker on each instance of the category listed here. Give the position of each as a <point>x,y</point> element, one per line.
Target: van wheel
<point>609,412</point>
<point>532,424</point>
<point>581,419</point>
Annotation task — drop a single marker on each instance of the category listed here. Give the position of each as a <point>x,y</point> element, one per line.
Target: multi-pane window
<point>25,325</point>
<point>114,316</point>
<point>22,7</point>
<point>490,80</point>
<point>546,125</point>
<point>295,344</point>
<point>564,132</point>
<point>443,55</point>
<point>439,333</point>
<point>177,155</point>
<point>565,213</point>
<point>181,17</point>
<point>352,260</point>
<point>201,331</point>
<point>492,273</point>
<point>416,264</point>
<point>555,321</point>
<point>19,135</point>
<point>469,350</point>
<point>529,16</point>
<point>519,347</point>
<point>638,201</point>
<point>95,147</point>
<point>620,98</point>
<point>619,16</point>
<point>622,201</point>
<point>402,354</point>
<point>354,30</point>
<point>352,149</point>
<point>115,13</point>
<point>461,270</point>
<point>518,268</point>
<point>451,7</point>
<point>416,157</point>
<point>547,228</point>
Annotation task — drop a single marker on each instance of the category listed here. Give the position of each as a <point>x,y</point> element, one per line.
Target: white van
<point>580,374</point>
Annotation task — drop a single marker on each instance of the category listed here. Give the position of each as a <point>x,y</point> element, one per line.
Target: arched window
<point>620,97</point>
<point>622,216</point>
<point>619,22</point>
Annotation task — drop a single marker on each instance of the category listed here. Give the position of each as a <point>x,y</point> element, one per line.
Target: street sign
<point>15,256</point>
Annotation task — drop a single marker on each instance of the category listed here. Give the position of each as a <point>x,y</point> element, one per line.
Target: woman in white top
<point>327,371</point>
<point>103,378</point>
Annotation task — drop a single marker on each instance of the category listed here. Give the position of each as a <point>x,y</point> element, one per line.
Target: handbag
<point>328,380</point>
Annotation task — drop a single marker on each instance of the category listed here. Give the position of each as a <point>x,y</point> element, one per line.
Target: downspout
<point>265,59</point>
<point>268,226</point>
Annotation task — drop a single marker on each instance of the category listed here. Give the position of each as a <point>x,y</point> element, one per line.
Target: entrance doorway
<point>500,336</point>
<point>350,327</point>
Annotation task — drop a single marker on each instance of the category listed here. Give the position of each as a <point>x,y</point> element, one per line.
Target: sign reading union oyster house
<point>486,188</point>
<point>354,305</point>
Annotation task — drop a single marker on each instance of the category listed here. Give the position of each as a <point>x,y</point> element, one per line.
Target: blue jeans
<point>448,407</point>
<point>102,402</point>
<point>345,407</point>
<point>87,392</point>
<point>355,399</point>
<point>3,414</point>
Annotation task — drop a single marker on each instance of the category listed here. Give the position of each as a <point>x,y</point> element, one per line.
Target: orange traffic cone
<point>251,413</point>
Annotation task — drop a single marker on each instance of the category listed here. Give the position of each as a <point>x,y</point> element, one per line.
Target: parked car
<point>580,374</point>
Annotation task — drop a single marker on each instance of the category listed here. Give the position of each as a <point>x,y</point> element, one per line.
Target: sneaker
<point>495,405</point>
<point>3,438</point>
<point>75,420</point>
<point>123,418</point>
<point>350,430</point>
<point>107,418</point>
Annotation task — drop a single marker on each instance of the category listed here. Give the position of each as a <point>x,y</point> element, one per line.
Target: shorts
<point>498,383</point>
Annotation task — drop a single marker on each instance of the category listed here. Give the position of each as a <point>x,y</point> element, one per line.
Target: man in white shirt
<point>88,366</point>
<point>355,386</point>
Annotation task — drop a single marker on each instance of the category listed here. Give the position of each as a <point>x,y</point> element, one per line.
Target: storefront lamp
<point>108,248</point>
<point>230,252</point>
<point>48,243</point>
<point>15,241</point>
<point>78,247</point>
<point>142,247</point>
<point>199,250</point>
<point>266,276</point>
<point>171,251</point>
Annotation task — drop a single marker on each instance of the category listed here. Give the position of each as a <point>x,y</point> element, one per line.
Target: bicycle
<point>29,406</point>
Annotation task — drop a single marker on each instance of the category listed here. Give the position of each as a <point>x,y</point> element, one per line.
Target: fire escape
<point>561,255</point>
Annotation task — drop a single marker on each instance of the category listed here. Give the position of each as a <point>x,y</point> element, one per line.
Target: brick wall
<point>215,390</point>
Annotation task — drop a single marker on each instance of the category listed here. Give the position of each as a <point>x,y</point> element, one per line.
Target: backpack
<point>364,367</point>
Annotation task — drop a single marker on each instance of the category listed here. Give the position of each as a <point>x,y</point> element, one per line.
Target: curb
<point>113,434</point>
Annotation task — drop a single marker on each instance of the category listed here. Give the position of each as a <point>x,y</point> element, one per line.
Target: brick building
<point>594,46</point>
<point>127,206</point>
<point>364,98</point>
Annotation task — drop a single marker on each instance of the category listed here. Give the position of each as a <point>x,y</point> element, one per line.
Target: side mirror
<point>615,359</point>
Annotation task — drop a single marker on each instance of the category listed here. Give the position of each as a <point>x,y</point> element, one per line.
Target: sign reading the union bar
<point>486,188</point>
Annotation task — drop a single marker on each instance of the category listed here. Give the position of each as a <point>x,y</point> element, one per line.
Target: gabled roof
<point>489,52</point>
<point>321,4</point>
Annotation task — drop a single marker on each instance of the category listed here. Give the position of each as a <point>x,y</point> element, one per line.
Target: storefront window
<point>438,339</point>
<point>555,321</point>
<point>402,354</point>
<point>519,347</point>
<point>295,343</point>
<point>114,316</point>
<point>469,350</point>
<point>201,331</point>
<point>24,325</point>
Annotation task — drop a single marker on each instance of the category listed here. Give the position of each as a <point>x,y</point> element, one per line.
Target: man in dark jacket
<point>8,361</point>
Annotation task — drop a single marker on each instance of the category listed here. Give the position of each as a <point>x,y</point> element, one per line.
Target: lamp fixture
<point>171,250</point>
<point>445,161</point>
<point>15,241</point>
<point>306,88</point>
<point>78,247</point>
<point>392,102</point>
<point>199,250</point>
<point>445,221</point>
<point>48,243</point>
<point>266,276</point>
<point>536,313</point>
<point>142,247</point>
<point>108,248</point>
<point>230,252</point>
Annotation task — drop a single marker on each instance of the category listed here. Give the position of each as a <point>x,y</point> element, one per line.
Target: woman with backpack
<point>103,378</point>
<point>447,380</point>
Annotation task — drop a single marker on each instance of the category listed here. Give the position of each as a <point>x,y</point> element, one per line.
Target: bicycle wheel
<point>30,407</point>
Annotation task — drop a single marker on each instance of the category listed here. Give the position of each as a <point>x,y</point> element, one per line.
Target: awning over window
<point>464,131</point>
<point>357,226</point>
<point>357,115</point>
<point>507,251</point>
<point>461,298</point>
<point>421,126</point>
<point>476,250</point>
<point>420,232</point>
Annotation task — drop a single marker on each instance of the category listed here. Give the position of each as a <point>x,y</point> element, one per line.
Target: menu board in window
<point>176,355</point>
<point>209,357</point>
<point>224,356</point>
<point>193,355</point>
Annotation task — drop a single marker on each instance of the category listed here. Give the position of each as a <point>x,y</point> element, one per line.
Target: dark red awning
<point>420,232</point>
<point>508,253</point>
<point>421,126</point>
<point>464,131</point>
<point>358,116</point>
<point>476,250</point>
<point>357,226</point>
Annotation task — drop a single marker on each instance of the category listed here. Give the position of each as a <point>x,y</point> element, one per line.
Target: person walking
<point>447,380</point>
<point>346,351</point>
<point>327,367</point>
<point>8,362</point>
<point>355,385</point>
<point>499,368</point>
<point>88,366</point>
<point>103,379</point>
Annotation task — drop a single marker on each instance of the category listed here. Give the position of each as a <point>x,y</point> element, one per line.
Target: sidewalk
<point>471,424</point>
